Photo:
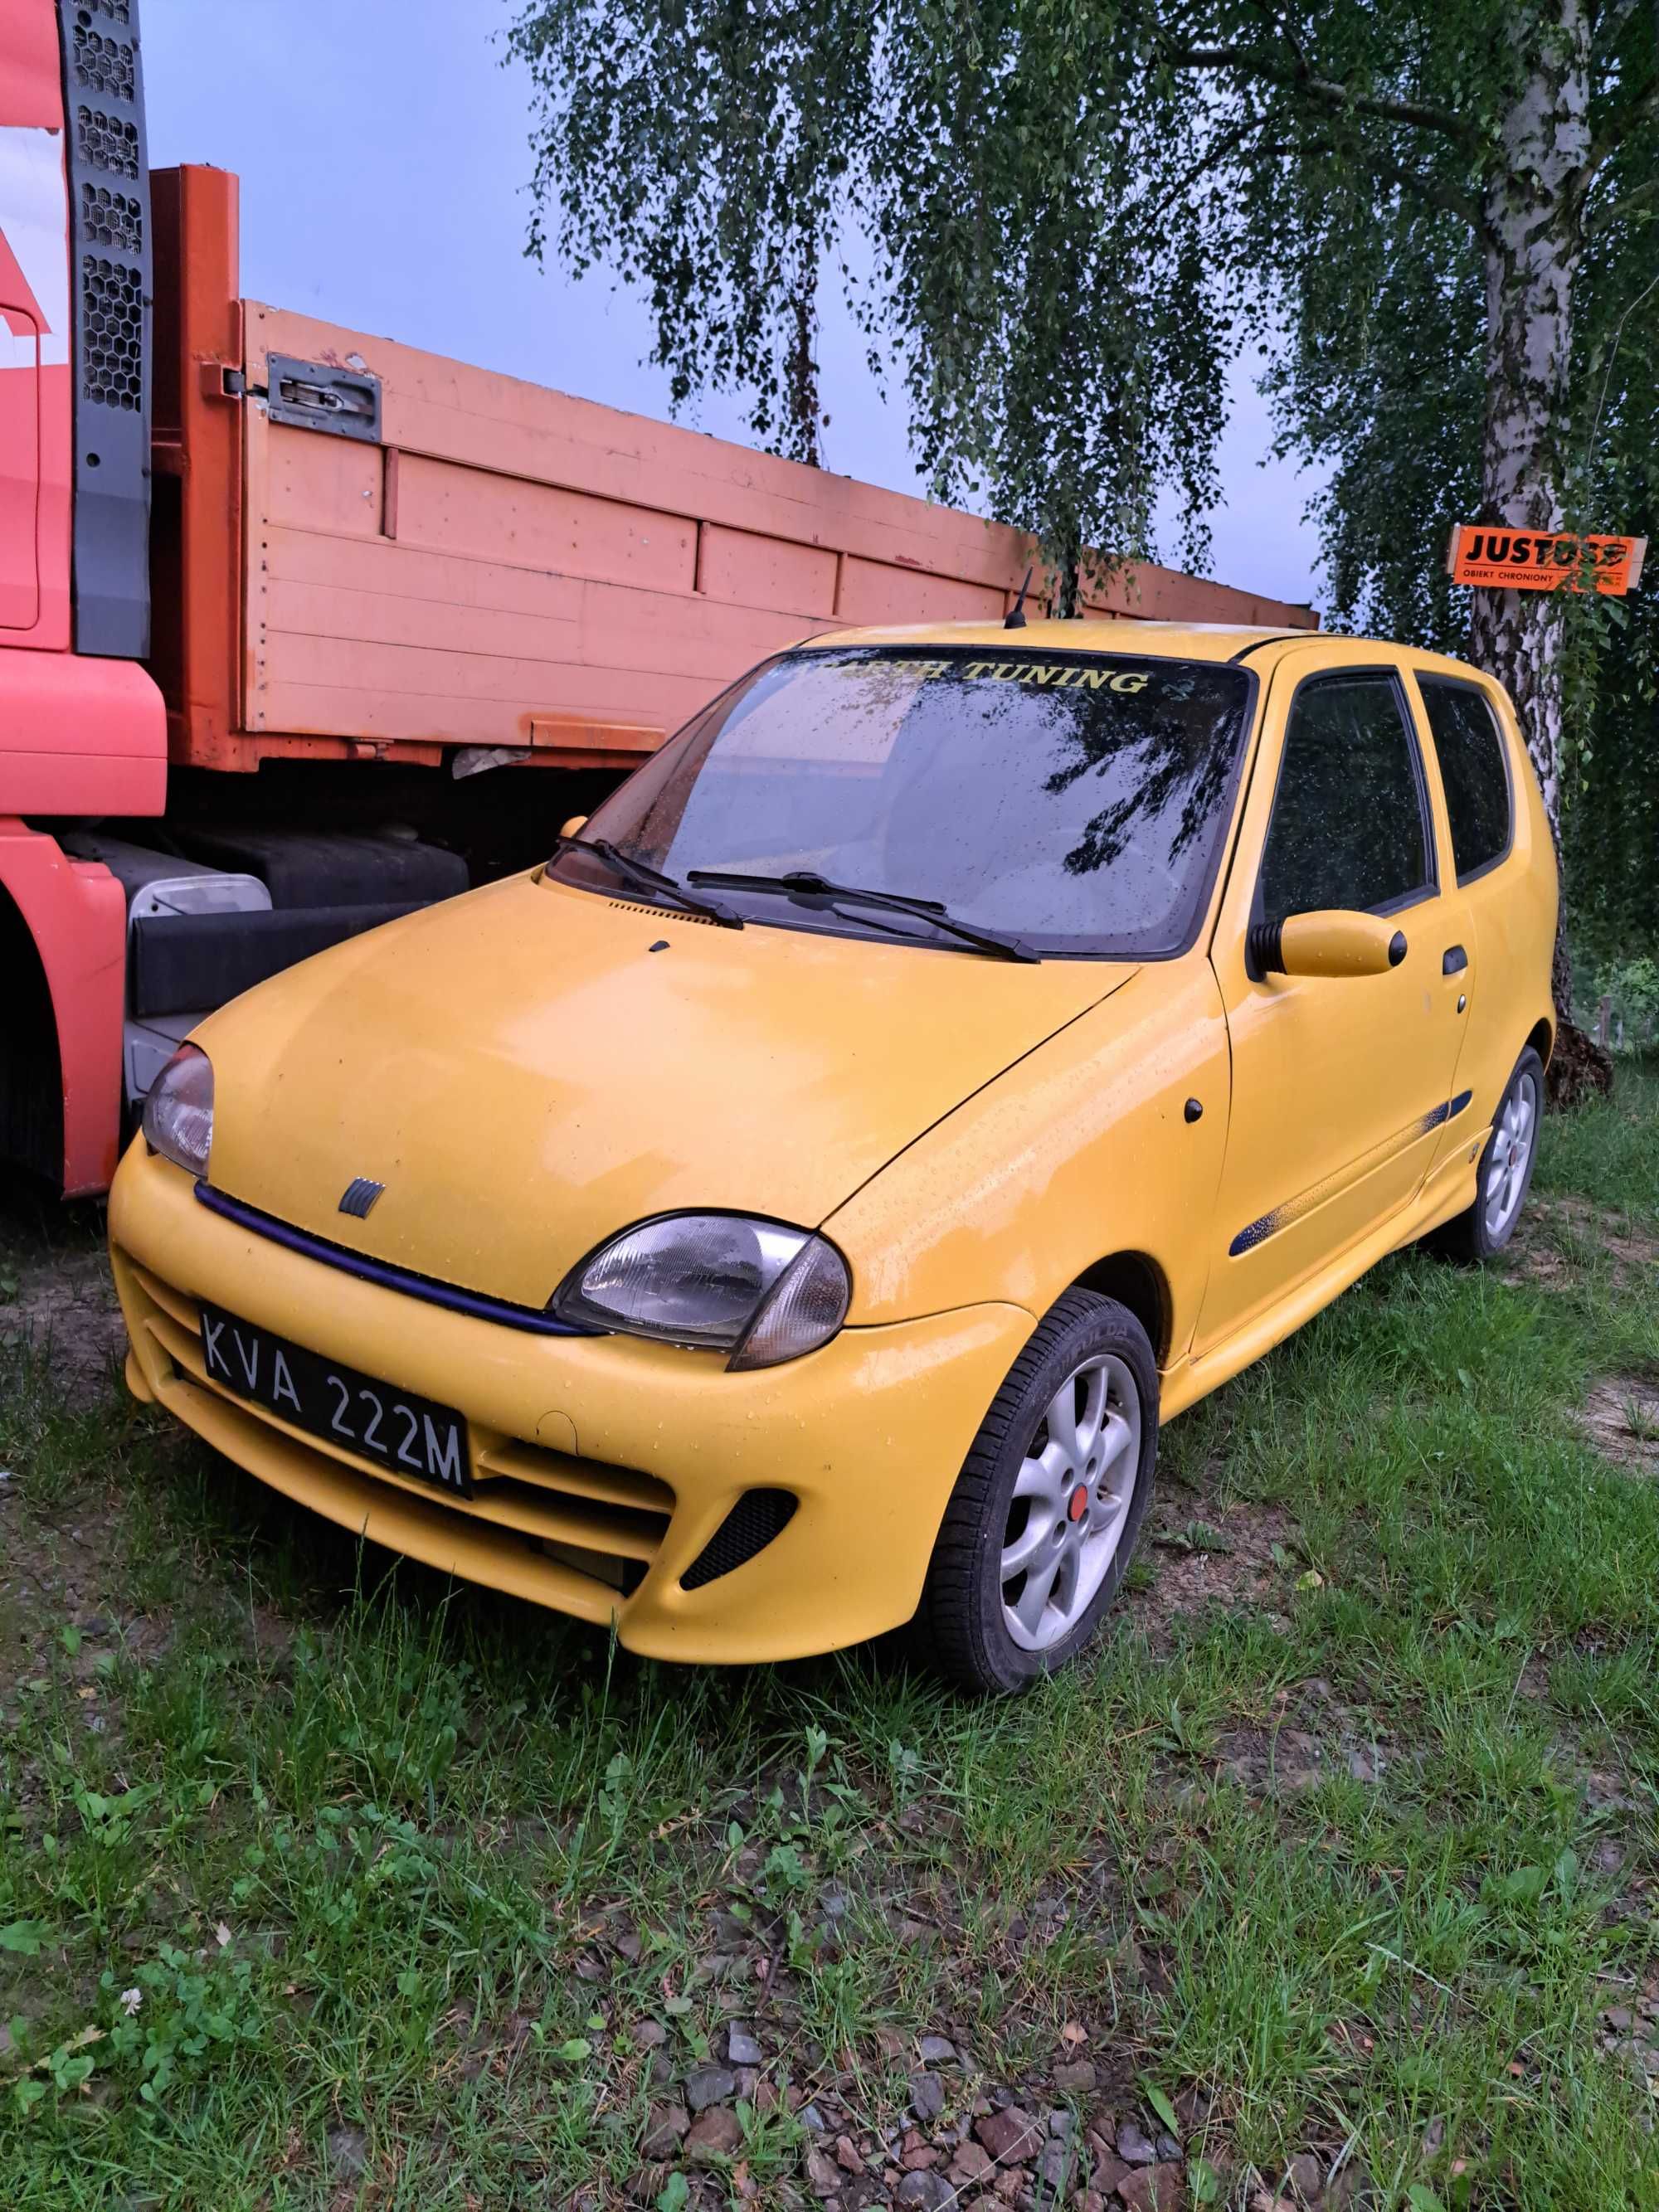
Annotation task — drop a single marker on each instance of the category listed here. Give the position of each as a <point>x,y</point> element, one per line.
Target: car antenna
<point>1014,619</point>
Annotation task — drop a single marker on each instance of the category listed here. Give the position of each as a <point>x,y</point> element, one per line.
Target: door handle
<point>1453,960</point>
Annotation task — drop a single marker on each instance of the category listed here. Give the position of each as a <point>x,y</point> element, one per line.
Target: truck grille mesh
<point>112,333</point>
<point>110,218</point>
<point>104,63</point>
<point>105,142</point>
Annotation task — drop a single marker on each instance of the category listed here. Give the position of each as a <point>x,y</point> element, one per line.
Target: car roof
<point>1104,633</point>
<point>1160,639</point>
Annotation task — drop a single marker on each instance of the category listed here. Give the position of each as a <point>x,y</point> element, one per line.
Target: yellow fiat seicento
<point>790,1211</point>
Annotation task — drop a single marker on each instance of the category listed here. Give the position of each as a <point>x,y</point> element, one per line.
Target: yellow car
<point>790,1210</point>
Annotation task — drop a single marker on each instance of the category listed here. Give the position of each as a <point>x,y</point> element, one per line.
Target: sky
<point>383,152</point>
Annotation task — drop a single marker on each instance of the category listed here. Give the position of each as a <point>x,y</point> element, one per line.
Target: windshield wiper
<point>807,885</point>
<point>644,877</point>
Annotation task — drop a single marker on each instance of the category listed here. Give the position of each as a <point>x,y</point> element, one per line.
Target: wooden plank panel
<point>380,593</point>
<point>535,526</point>
<point>379,712</point>
<point>872,591</point>
<point>450,410</point>
<point>324,484</point>
<point>606,623</point>
<point>766,572</point>
<point>415,573</point>
<point>299,612</point>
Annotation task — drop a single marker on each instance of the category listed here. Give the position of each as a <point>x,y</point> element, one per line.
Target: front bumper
<point>603,1466</point>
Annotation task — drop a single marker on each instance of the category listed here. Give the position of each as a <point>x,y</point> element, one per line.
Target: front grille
<point>112,333</point>
<point>111,218</point>
<point>749,1527</point>
<point>105,142</point>
<point>103,62</point>
<point>606,1523</point>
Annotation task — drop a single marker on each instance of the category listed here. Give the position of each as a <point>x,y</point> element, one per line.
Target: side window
<point>1473,767</point>
<point>1349,827</point>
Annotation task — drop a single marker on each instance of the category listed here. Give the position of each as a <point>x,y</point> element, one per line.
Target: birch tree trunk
<point>1532,241</point>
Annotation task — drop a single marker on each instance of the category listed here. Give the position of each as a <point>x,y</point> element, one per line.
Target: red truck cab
<point>82,726</point>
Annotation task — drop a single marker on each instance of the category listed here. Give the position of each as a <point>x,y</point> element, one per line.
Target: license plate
<point>411,1436</point>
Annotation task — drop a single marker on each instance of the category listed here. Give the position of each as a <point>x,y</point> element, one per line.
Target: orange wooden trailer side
<point>502,565</point>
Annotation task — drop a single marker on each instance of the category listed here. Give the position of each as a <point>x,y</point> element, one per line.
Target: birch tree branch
<point>1239,61</point>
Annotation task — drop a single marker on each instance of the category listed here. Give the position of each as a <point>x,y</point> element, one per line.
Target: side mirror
<point>1334,942</point>
<point>574,827</point>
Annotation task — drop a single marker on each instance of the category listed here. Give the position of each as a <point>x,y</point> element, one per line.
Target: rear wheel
<point>1043,1523</point>
<point>1504,1175</point>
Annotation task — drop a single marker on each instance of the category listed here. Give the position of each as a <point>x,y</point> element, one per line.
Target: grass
<point>322,1884</point>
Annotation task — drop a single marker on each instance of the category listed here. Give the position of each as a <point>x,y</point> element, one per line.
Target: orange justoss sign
<point>1539,559</point>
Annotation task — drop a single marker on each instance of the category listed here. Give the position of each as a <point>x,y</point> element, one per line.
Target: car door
<point>1340,1084</point>
<point>1477,761</point>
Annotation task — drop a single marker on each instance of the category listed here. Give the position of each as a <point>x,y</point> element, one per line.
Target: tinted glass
<point>1472,767</point>
<point>1078,801</point>
<point>1347,828</point>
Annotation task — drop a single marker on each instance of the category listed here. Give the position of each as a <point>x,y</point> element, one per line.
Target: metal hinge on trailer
<point>314,395</point>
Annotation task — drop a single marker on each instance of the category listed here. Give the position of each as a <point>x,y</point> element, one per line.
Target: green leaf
<point>1161,2105</point>
<point>26,1936</point>
<point>676,2194</point>
<point>1204,2182</point>
<point>574,2051</point>
<point>1422,2199</point>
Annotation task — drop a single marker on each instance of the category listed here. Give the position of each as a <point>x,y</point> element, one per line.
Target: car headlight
<point>178,1111</point>
<point>756,1289</point>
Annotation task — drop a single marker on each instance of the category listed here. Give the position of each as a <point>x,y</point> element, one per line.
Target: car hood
<point>532,1068</point>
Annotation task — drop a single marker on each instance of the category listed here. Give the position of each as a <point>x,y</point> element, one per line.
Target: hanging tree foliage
<point>1074,211</point>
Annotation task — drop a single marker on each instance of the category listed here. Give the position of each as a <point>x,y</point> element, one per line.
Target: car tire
<point>1504,1175</point>
<point>1068,1498</point>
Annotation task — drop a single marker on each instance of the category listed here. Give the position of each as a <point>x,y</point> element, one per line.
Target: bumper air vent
<point>749,1527</point>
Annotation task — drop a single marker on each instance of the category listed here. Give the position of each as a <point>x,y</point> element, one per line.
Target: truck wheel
<point>1043,1523</point>
<point>1504,1175</point>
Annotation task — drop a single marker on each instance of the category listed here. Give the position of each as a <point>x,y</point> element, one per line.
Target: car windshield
<point>1077,801</point>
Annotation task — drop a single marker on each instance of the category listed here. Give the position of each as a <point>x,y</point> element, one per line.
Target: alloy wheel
<point>1512,1142</point>
<point>1071,1501</point>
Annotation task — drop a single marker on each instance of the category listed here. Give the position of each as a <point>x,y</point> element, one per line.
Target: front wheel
<point>1504,1175</point>
<point>1043,1523</point>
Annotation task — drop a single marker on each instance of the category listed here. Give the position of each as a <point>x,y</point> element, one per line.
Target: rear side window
<point>1348,828</point>
<point>1474,769</point>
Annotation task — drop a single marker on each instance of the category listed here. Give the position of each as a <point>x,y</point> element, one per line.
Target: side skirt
<point>1446,1193</point>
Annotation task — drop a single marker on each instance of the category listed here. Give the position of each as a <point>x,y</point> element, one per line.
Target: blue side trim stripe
<point>389,1277</point>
